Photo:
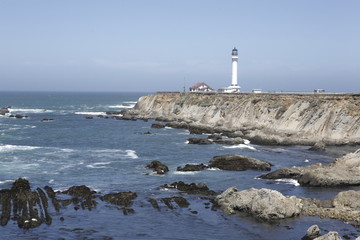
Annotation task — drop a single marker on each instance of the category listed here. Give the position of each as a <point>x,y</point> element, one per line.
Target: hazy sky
<point>153,45</point>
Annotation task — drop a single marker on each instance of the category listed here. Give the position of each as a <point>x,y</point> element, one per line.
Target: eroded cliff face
<point>279,118</point>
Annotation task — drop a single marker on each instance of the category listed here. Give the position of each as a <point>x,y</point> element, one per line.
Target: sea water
<point>110,156</point>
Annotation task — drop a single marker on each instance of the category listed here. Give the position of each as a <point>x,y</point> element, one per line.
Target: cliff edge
<point>263,118</point>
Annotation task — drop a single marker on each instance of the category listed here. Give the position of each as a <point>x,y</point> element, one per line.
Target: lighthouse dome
<point>234,52</point>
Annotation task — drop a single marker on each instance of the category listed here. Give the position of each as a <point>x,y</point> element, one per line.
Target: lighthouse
<point>234,87</point>
<point>234,82</point>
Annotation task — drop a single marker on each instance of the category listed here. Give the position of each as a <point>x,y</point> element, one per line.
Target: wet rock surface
<point>158,167</point>
<point>238,163</point>
<point>120,198</point>
<point>344,171</point>
<point>157,125</point>
<point>192,188</point>
<point>199,141</point>
<point>192,167</point>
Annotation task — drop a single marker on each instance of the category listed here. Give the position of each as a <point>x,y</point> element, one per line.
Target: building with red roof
<point>201,87</point>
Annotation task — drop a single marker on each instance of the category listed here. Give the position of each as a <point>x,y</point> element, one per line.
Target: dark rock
<point>234,134</point>
<point>235,141</point>
<point>157,125</point>
<point>158,167</point>
<point>154,203</point>
<point>47,119</point>
<point>120,198</point>
<point>192,167</point>
<point>89,117</point>
<point>318,147</point>
<point>24,205</point>
<point>18,116</point>
<point>127,211</point>
<point>180,201</point>
<point>83,196</point>
<point>114,112</point>
<point>192,188</point>
<point>179,125</point>
<point>147,133</point>
<point>50,192</point>
<point>215,136</point>
<point>194,129</point>
<point>200,141</point>
<point>239,163</point>
<point>293,173</point>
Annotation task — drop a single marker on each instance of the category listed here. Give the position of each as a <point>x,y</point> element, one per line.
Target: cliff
<point>270,118</point>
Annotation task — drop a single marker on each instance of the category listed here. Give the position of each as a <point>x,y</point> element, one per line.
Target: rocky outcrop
<point>344,171</point>
<point>158,167</point>
<point>263,203</point>
<point>269,204</point>
<point>312,233</point>
<point>157,125</point>
<point>199,141</point>
<point>192,188</point>
<point>192,167</point>
<point>263,118</point>
<point>238,163</point>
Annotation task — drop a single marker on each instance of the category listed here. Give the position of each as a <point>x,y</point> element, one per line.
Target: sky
<point>166,45</point>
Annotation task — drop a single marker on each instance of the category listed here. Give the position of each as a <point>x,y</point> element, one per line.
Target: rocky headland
<point>273,119</point>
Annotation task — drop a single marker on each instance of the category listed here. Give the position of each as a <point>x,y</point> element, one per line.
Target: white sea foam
<point>29,110</point>
<point>241,146</point>
<point>288,181</point>
<point>11,148</point>
<point>98,165</point>
<point>185,173</point>
<point>213,169</point>
<point>90,113</point>
<point>122,106</point>
<point>247,142</point>
<point>131,154</point>
<point>6,181</point>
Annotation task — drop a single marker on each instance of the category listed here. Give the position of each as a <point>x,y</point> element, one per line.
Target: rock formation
<point>344,171</point>
<point>158,167</point>
<point>262,118</point>
<point>239,163</point>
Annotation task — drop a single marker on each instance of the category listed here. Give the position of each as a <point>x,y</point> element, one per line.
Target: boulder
<point>262,203</point>
<point>158,167</point>
<point>312,233</point>
<point>192,167</point>
<point>199,141</point>
<point>239,163</point>
<point>329,236</point>
<point>199,129</point>
<point>318,147</point>
<point>157,125</point>
<point>4,110</point>
<point>114,112</point>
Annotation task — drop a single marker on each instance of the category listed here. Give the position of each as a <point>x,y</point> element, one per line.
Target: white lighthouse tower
<point>234,87</point>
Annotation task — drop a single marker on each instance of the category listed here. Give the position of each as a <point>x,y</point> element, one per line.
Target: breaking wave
<point>12,148</point>
<point>90,113</point>
<point>241,146</point>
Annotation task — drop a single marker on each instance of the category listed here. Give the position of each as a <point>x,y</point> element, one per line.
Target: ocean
<point>110,155</point>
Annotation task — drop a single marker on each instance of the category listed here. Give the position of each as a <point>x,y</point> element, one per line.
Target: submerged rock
<point>120,198</point>
<point>192,167</point>
<point>158,167</point>
<point>192,188</point>
<point>239,163</point>
<point>262,203</point>
<point>157,125</point>
<point>200,141</point>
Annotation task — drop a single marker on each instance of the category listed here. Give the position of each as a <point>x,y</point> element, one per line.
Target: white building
<point>234,87</point>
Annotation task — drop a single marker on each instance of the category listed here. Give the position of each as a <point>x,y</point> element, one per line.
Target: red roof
<point>201,85</point>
